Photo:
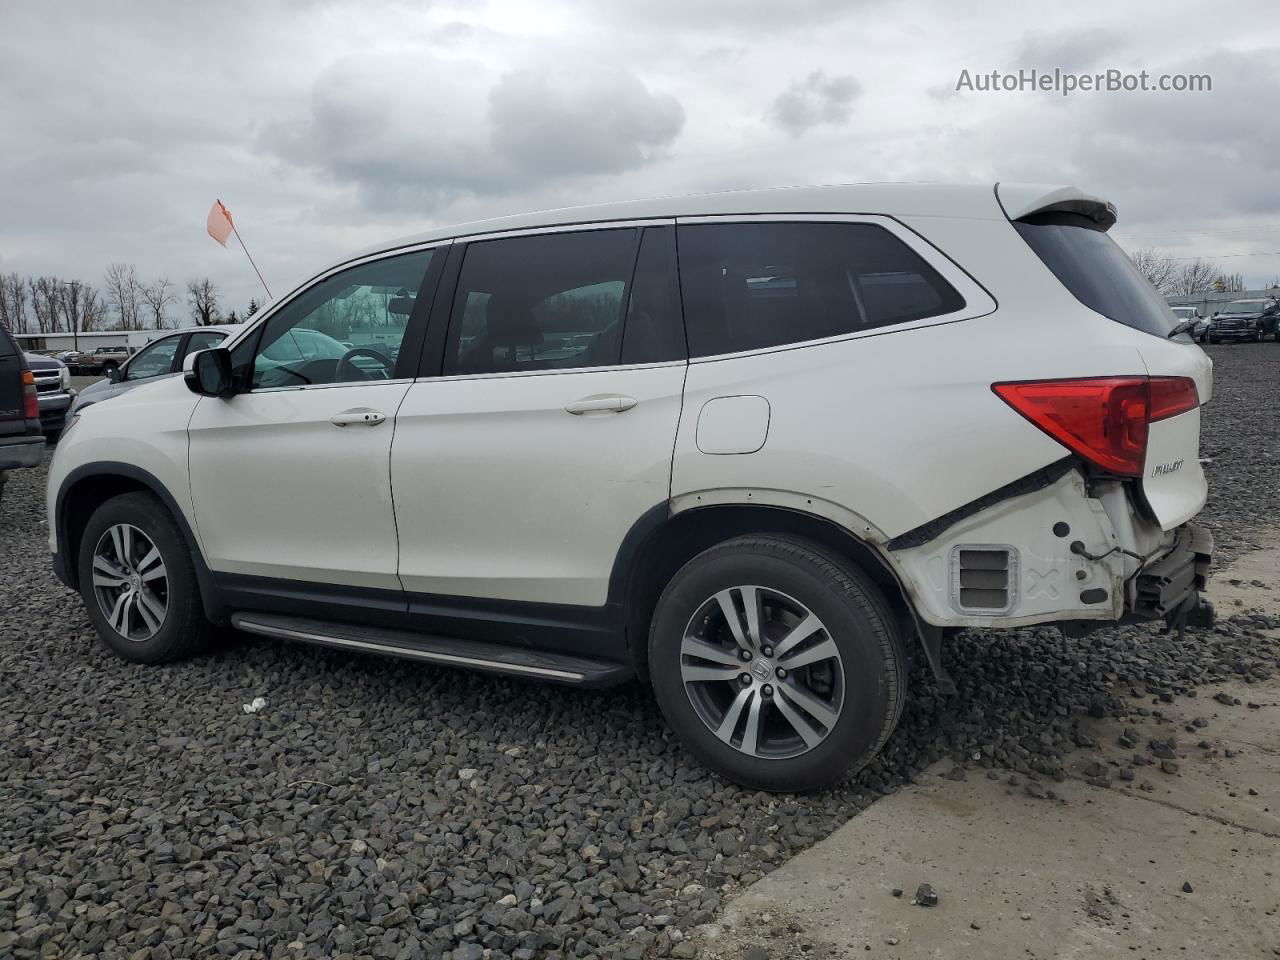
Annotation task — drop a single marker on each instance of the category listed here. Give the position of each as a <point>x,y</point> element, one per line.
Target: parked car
<point>1251,319</point>
<point>761,467</point>
<point>160,358</point>
<point>1199,326</point>
<point>21,439</point>
<point>53,392</point>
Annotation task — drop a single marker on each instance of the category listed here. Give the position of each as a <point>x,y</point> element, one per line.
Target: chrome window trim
<point>588,227</point>
<point>977,301</point>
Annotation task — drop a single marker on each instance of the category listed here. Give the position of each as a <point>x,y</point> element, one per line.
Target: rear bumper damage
<point>1172,584</point>
<point>1071,552</point>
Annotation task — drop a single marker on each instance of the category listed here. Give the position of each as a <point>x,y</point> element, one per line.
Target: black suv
<point>21,437</point>
<point>1245,320</point>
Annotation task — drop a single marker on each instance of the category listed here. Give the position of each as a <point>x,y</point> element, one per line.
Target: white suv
<point>756,448</point>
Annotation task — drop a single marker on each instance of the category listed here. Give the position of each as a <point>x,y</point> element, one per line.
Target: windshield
<point>1244,306</point>
<point>1097,272</point>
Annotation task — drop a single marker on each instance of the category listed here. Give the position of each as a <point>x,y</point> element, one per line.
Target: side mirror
<point>208,372</point>
<point>115,374</point>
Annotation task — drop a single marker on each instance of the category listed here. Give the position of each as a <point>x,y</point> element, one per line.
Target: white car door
<point>289,477</point>
<point>546,430</point>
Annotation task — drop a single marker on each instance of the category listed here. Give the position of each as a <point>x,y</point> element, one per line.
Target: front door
<point>546,430</point>
<point>290,477</point>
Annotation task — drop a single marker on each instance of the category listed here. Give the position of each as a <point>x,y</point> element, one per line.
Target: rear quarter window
<point>1096,271</point>
<point>7,347</point>
<point>747,286</point>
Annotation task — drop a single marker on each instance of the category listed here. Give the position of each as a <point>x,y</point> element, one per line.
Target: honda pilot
<point>757,449</point>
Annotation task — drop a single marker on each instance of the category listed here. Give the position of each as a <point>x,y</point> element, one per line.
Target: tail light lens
<point>30,402</point>
<point>1104,419</point>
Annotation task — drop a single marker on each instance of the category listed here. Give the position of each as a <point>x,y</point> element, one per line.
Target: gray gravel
<point>379,809</point>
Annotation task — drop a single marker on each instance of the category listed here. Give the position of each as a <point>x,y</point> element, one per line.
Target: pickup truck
<point>102,360</point>
<point>21,438</point>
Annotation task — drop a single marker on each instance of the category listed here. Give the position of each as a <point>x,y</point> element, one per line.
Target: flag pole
<point>250,256</point>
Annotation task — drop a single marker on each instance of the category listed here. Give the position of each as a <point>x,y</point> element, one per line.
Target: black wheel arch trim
<point>65,566</point>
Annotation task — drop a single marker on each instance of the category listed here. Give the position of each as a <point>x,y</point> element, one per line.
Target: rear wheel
<point>138,581</point>
<point>777,664</point>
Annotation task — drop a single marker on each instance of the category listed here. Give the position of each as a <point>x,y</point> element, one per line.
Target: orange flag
<point>220,225</point>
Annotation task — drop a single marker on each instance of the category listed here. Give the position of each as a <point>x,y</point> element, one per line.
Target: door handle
<point>363,416</point>
<point>600,404</point>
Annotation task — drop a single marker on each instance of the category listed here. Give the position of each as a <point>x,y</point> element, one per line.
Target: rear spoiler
<point>1022,200</point>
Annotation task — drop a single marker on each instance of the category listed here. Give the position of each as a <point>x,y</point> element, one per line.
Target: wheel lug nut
<point>744,655</point>
<point>767,651</point>
<point>767,691</point>
<point>746,679</point>
<point>781,673</point>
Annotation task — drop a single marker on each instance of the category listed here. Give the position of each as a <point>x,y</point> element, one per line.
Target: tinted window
<point>552,301</point>
<point>752,285</point>
<point>654,331</point>
<point>154,360</point>
<point>7,347</point>
<point>204,339</point>
<point>346,329</point>
<point>1096,271</point>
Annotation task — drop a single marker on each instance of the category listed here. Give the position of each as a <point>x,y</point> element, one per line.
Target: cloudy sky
<point>326,125</point>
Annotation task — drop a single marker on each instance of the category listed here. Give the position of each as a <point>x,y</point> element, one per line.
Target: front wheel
<point>778,664</point>
<point>139,583</point>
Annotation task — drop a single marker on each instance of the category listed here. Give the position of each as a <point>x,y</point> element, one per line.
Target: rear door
<point>1100,275</point>
<point>543,428</point>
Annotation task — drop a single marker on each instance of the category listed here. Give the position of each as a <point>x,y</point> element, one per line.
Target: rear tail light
<point>30,403</point>
<point>1104,419</point>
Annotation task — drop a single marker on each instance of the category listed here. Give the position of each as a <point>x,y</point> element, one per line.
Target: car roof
<point>975,201</point>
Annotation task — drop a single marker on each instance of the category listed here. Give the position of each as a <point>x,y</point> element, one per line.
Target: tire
<point>109,366</point>
<point>167,623</point>
<point>860,688</point>
<point>1214,340</point>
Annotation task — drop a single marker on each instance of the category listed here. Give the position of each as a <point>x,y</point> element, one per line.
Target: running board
<point>443,651</point>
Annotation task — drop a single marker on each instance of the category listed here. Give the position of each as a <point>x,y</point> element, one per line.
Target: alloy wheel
<point>762,672</point>
<point>130,582</point>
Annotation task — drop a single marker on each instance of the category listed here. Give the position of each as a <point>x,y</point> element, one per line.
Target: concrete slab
<point>1099,872</point>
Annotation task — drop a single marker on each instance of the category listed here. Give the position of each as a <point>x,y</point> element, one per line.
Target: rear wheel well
<point>686,535</point>
<point>79,504</point>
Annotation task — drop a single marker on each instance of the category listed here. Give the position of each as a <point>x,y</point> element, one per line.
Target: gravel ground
<point>379,809</point>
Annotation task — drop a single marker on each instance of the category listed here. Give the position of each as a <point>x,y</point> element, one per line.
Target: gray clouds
<point>814,100</point>
<point>326,126</point>
<point>411,129</point>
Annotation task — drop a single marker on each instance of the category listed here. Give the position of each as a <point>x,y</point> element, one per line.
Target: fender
<point>65,566</point>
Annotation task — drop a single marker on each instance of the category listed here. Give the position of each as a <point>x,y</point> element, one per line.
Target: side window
<point>204,339</point>
<point>154,360</point>
<point>751,285</point>
<point>552,301</point>
<point>654,330</point>
<point>345,329</point>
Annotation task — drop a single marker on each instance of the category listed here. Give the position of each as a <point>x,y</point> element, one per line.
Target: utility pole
<point>72,314</point>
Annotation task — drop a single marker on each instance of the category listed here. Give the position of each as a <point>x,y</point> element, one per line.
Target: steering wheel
<point>340,371</point>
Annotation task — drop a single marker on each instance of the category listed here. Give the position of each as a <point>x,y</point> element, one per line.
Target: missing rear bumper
<point>1171,586</point>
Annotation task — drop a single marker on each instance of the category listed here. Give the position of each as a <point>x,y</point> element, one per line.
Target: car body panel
<point>280,491</point>
<point>500,492</point>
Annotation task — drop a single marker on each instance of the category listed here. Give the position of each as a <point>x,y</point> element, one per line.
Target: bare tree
<point>124,293</point>
<point>93,312</point>
<point>157,296</point>
<point>203,299</point>
<point>13,303</point>
<point>1160,270</point>
<point>46,303</point>
<point>1194,276</point>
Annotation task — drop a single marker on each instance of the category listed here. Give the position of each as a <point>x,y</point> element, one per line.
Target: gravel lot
<point>379,809</point>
